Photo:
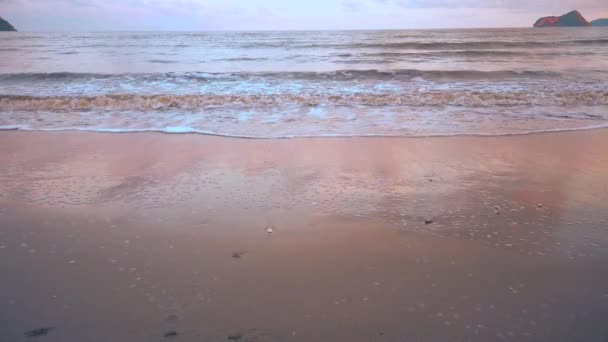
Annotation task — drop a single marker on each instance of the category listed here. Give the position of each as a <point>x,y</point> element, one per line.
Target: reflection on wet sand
<point>131,229</point>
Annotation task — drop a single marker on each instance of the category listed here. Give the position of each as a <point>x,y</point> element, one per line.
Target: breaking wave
<point>339,75</point>
<point>201,101</point>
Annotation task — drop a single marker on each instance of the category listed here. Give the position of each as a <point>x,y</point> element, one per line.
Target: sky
<point>94,15</point>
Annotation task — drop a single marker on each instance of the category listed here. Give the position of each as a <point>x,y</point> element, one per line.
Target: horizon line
<point>285,30</point>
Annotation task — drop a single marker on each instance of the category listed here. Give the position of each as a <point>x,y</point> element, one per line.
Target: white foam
<point>188,130</point>
<point>463,98</point>
<point>178,130</point>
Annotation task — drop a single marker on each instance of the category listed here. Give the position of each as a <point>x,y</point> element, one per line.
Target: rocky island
<point>600,22</point>
<point>6,26</point>
<point>571,19</point>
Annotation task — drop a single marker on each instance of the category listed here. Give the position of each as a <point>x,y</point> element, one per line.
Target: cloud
<point>353,6</point>
<point>506,4</point>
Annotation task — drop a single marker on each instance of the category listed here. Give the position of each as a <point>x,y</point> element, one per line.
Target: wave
<point>338,75</point>
<point>190,130</point>
<point>44,76</point>
<point>466,53</point>
<point>132,102</point>
<point>469,53</point>
<point>161,61</point>
<point>476,44</point>
<point>438,45</point>
<point>243,59</point>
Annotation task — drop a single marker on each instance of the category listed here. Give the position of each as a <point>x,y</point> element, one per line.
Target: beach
<point>187,237</point>
<point>333,185</point>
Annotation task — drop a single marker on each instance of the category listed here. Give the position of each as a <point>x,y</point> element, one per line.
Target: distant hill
<point>600,22</point>
<point>6,26</point>
<point>571,19</point>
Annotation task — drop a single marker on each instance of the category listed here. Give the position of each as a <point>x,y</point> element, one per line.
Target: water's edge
<point>170,131</point>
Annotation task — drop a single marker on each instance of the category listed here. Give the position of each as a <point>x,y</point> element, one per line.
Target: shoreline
<point>329,136</point>
<point>134,237</point>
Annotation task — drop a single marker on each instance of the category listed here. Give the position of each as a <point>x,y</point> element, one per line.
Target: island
<point>6,26</point>
<point>571,19</point>
<point>600,22</point>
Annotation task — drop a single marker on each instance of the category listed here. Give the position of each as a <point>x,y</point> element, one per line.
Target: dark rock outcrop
<point>600,22</point>
<point>6,26</point>
<point>572,19</point>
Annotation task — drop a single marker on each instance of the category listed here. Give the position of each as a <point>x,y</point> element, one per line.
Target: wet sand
<point>152,237</point>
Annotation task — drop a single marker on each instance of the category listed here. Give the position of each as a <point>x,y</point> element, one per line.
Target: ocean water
<point>322,83</point>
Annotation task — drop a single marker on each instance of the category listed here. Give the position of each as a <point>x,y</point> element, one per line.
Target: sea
<point>307,83</point>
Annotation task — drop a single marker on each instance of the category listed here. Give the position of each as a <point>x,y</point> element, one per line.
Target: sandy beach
<point>155,237</point>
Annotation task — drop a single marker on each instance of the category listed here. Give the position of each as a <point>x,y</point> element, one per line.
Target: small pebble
<point>38,332</point>
<point>169,334</point>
